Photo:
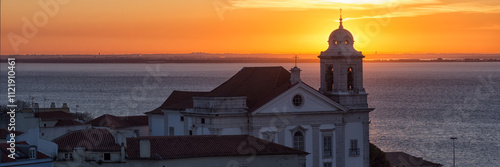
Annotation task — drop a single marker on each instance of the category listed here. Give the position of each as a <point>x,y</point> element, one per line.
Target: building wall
<point>44,146</point>
<point>50,123</point>
<point>172,121</point>
<point>28,121</point>
<point>88,158</point>
<point>353,131</point>
<point>156,124</point>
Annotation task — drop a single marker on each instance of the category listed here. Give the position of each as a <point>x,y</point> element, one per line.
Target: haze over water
<point>418,106</point>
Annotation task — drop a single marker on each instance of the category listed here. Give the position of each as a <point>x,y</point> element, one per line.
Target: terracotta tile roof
<point>258,84</point>
<point>174,147</point>
<point>24,155</point>
<point>179,100</point>
<point>67,123</point>
<point>99,140</point>
<point>401,159</point>
<point>156,111</point>
<point>54,115</point>
<point>112,121</point>
<point>4,133</point>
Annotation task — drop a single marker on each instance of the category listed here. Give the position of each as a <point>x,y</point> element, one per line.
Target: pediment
<point>312,101</point>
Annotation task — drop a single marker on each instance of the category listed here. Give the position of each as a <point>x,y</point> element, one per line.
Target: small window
<point>203,121</point>
<point>335,42</point>
<point>354,150</point>
<point>107,156</point>
<point>346,42</point>
<point>33,153</point>
<point>327,164</point>
<point>190,132</point>
<point>68,156</point>
<point>297,100</point>
<point>43,134</point>
<point>136,132</point>
<point>327,146</point>
<point>182,118</point>
<point>44,125</point>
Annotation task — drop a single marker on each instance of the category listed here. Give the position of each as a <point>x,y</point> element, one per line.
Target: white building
<point>273,104</point>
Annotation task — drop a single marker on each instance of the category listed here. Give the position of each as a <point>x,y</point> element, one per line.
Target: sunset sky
<point>246,26</point>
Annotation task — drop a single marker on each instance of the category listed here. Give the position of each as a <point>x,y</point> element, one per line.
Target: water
<point>419,106</point>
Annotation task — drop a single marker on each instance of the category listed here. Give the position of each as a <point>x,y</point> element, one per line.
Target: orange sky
<point>247,26</point>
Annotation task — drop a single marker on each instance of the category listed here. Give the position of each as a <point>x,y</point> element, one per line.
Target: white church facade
<point>272,103</point>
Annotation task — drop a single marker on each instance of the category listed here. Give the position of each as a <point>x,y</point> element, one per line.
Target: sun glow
<point>250,26</point>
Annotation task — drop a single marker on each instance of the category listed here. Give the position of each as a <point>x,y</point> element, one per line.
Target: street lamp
<point>453,139</point>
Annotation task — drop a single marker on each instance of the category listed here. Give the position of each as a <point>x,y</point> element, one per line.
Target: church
<point>272,103</point>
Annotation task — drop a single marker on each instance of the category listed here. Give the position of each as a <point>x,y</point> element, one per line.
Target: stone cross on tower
<point>296,57</point>
<point>295,72</point>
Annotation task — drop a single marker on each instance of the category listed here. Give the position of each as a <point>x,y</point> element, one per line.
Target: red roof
<point>401,159</point>
<point>174,147</point>
<point>112,121</point>
<point>54,115</point>
<point>99,140</point>
<point>68,123</point>
<point>5,153</point>
<point>155,111</point>
<point>179,100</point>
<point>258,84</point>
<point>4,133</point>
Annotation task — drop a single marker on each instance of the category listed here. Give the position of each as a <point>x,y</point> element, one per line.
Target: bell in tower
<point>342,70</point>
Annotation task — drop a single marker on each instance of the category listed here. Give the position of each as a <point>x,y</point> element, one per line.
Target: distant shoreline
<point>86,61</point>
<point>200,57</point>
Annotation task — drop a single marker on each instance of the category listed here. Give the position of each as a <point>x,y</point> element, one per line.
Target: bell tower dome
<point>342,70</point>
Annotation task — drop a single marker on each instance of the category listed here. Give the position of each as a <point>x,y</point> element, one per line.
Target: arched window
<point>298,140</point>
<point>329,78</point>
<point>350,79</point>
<point>335,42</point>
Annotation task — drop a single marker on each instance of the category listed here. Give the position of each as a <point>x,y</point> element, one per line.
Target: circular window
<point>297,100</point>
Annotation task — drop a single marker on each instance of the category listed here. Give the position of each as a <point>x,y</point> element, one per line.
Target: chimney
<point>52,105</point>
<point>33,152</point>
<point>295,75</point>
<point>36,107</point>
<point>65,105</point>
<point>122,153</point>
<point>144,148</point>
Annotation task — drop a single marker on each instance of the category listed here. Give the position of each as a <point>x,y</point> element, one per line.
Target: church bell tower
<point>342,70</point>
